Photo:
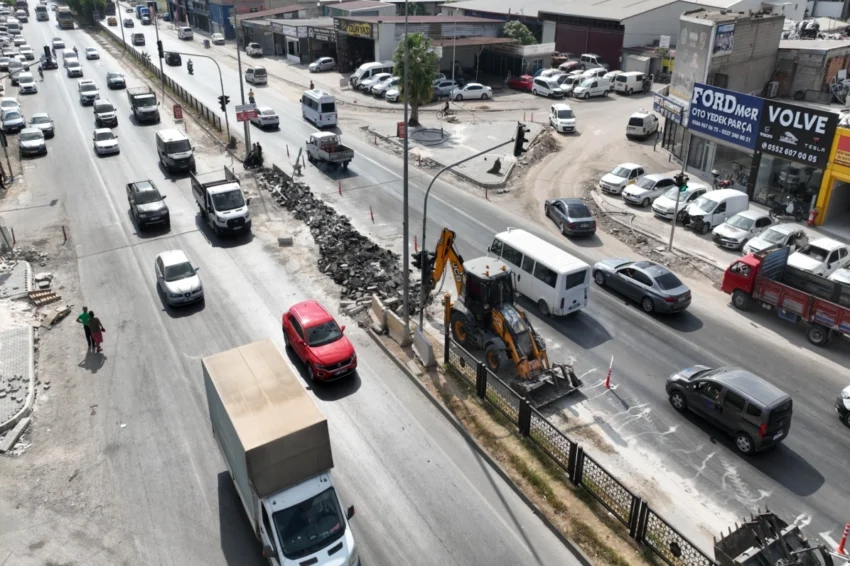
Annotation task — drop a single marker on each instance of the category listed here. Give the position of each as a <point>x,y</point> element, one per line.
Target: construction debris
<point>41,298</point>
<point>31,255</point>
<point>360,266</point>
<point>55,316</point>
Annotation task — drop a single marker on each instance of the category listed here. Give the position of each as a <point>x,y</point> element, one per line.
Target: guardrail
<point>645,525</point>
<point>150,63</point>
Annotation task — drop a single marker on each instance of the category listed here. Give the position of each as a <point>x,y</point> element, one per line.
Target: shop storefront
<point>675,128</point>
<point>322,43</point>
<point>290,41</point>
<point>355,44</point>
<point>833,201</point>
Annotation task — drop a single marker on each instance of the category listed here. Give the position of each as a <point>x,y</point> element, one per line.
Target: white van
<point>592,87</point>
<point>557,281</point>
<point>367,70</point>
<point>713,208</point>
<point>546,86</point>
<point>13,26</point>
<point>629,83</point>
<point>256,76</point>
<point>184,32</point>
<point>319,107</point>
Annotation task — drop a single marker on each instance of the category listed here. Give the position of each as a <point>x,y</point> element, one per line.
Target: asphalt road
<point>804,479</point>
<point>422,494</point>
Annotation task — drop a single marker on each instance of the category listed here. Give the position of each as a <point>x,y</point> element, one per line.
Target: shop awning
<point>470,41</point>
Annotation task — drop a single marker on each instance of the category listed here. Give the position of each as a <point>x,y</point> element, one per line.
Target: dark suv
<point>755,412</point>
<point>173,59</point>
<point>147,205</point>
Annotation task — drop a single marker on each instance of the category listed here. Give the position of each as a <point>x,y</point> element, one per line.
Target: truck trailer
<point>277,448</point>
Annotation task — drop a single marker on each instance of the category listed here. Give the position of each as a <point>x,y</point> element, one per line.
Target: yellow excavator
<point>484,316</point>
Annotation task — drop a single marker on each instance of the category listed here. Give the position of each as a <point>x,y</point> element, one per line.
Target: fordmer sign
<point>729,116</point>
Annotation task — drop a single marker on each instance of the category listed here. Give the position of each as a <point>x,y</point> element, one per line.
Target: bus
<point>64,17</point>
<point>41,13</point>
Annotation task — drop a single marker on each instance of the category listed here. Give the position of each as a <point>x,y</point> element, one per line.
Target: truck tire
<point>741,300</point>
<point>345,165</point>
<point>818,334</point>
<point>461,328</point>
<point>495,357</point>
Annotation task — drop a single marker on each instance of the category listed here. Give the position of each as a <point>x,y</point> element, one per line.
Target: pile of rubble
<point>361,267</point>
<point>32,255</point>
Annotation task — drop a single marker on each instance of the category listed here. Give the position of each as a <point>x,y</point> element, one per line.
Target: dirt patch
<point>538,149</point>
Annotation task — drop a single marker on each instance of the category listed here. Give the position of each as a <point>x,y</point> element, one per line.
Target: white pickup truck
<point>325,147</point>
<point>278,450</point>
<point>221,203</point>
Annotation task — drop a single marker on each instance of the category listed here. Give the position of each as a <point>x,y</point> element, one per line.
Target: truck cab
<point>222,203</point>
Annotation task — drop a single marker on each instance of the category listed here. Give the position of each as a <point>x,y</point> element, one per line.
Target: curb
<point>567,542</point>
<point>600,203</point>
<point>27,409</point>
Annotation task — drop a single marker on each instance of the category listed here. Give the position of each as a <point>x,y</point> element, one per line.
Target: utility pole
<point>681,180</point>
<point>405,213</point>
<point>152,10</point>
<point>241,89</point>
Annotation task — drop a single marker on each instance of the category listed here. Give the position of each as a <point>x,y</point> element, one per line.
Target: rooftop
<point>273,12</point>
<point>358,5</point>
<point>822,45</point>
<point>312,22</point>
<point>468,41</point>
<point>728,15</point>
<point>420,19</point>
<point>601,9</point>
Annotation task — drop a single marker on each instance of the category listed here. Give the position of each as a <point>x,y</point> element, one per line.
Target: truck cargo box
<point>270,431</point>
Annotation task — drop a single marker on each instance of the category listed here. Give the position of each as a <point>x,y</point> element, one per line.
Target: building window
<point>674,138</point>
<point>720,80</point>
<point>780,180</point>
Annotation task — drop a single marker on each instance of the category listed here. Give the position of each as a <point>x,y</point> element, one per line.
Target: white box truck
<point>278,450</point>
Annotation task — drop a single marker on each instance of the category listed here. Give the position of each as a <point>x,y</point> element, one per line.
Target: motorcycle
<point>190,68</point>
<point>790,208</point>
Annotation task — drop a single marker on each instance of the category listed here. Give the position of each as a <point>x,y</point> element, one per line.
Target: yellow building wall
<point>838,169</point>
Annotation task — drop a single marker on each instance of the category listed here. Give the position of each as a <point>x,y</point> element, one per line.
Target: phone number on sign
<point>792,153</point>
<point>724,132</point>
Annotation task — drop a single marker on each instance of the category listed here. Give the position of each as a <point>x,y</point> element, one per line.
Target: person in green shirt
<point>83,319</point>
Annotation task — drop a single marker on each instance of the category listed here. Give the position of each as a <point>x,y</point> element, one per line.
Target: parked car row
<point>580,83</point>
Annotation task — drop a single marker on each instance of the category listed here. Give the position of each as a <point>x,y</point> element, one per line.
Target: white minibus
<point>553,279</point>
<point>319,107</point>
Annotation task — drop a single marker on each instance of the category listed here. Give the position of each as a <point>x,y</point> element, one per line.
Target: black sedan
<point>653,286</point>
<point>115,80</point>
<point>572,216</point>
<point>49,63</point>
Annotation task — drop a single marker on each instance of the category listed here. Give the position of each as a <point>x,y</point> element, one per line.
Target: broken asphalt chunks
<point>357,264</point>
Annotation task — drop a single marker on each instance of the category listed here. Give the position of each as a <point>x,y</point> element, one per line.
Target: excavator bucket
<point>548,385</point>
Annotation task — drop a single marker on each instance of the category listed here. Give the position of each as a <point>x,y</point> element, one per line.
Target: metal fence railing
<point>644,524</point>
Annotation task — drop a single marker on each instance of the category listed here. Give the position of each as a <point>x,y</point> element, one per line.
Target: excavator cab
<point>487,284</point>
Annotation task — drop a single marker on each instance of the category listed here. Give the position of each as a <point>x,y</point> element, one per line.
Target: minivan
<point>713,208</point>
<point>629,83</point>
<point>175,151</point>
<point>256,76</point>
<point>545,86</point>
<point>591,60</point>
<point>592,87</point>
<point>367,70</point>
<point>184,32</point>
<point>756,413</point>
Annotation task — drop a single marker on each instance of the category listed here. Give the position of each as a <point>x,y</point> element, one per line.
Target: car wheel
<point>647,304</point>
<point>818,335</point>
<point>458,98</point>
<point>534,91</point>
<point>704,228</point>
<point>847,419</point>
<point>631,91</point>
<point>495,357</point>
<point>645,202</point>
<point>484,96</point>
<point>741,300</point>
<point>678,401</point>
<point>586,95</point>
<point>563,228</point>
<point>599,277</point>
<point>311,374</point>
<point>543,308</point>
<point>744,443</point>
<point>680,216</point>
<point>743,244</point>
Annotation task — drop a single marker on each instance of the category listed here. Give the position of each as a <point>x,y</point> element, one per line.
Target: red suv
<point>318,341</point>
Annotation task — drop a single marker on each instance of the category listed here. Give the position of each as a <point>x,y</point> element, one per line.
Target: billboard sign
<point>797,133</point>
<point>245,112</point>
<point>692,56</point>
<point>725,115</point>
<point>724,40</point>
<point>669,108</point>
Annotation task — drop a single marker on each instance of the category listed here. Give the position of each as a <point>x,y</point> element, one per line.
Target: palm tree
<point>420,73</point>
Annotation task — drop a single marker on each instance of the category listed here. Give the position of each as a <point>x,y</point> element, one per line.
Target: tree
<point>413,9</point>
<point>518,31</point>
<point>84,9</point>
<point>422,67</point>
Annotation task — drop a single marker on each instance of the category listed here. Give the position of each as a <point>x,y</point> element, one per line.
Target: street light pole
<point>220,80</point>
<point>152,6</point>
<point>425,218</point>
<point>406,235</point>
<point>241,92</point>
<point>678,195</point>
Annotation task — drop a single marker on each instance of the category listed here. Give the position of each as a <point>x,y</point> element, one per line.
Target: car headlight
<point>174,295</point>
<point>353,559</point>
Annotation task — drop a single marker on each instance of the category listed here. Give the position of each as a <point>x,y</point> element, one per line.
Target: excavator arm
<point>435,263</point>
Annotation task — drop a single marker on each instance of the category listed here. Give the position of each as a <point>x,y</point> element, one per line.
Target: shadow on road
<point>224,241</point>
<point>238,543</point>
<point>93,361</point>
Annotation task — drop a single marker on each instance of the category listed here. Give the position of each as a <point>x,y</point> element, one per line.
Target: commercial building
<point>425,7</point>
<point>833,201</point>
<point>361,8</point>
<point>805,68</point>
<point>300,41</point>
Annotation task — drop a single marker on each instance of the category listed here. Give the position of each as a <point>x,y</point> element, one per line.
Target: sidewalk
<point>17,375</point>
<point>438,143</point>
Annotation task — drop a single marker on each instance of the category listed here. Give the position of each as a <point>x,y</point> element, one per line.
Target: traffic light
<point>159,48</point>
<point>519,140</point>
<point>424,261</point>
<point>223,101</point>
<point>681,181</point>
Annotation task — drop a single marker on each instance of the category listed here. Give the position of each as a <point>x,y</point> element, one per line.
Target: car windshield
<point>178,146</point>
<point>146,100</point>
<point>88,88</point>
<point>267,112</point>
<point>815,252</point>
<point>703,373</point>
<point>40,120</point>
<point>773,236</point>
<point>565,114</point>
<point>114,76</point>
<point>31,136</point>
<point>259,72</point>
<point>9,104</point>
<point>73,65</point>
<point>705,204</point>
<point>104,136</point>
<point>179,271</point>
<point>621,172</point>
<point>105,108</point>
<point>671,193</point>
<point>11,116</point>
<point>668,281</point>
<point>741,222</point>
<point>230,200</point>
<point>586,83</point>
<point>147,197</point>
<point>324,333</point>
<point>578,211</point>
<point>25,79</point>
<point>309,526</point>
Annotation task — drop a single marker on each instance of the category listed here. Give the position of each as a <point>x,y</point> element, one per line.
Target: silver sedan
<point>653,286</point>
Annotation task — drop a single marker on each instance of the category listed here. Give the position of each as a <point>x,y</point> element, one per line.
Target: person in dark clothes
<point>83,319</point>
<point>97,331</point>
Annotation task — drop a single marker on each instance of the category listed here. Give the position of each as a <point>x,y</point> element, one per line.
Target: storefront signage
<point>724,39</point>
<point>355,29</point>
<point>842,152</point>
<point>729,116</point>
<point>797,133</point>
<point>668,108</point>
<point>326,35</point>
<point>289,31</point>
<point>692,55</point>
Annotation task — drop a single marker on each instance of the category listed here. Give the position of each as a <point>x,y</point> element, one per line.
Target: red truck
<point>767,279</point>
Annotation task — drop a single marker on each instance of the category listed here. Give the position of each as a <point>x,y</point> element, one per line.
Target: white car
<point>31,142</point>
<point>322,64</point>
<point>562,118</point>
<point>217,39</point>
<point>568,83</point>
<point>18,41</point>
<point>254,49</point>
<point>620,177</point>
<point>648,188</point>
<point>105,142</point>
<point>367,84</point>
<point>266,118</point>
<point>27,52</point>
<point>9,103</point>
<point>26,83</point>
<point>392,94</point>
<point>665,205</point>
<point>177,279</point>
<point>841,276</point>
<point>472,91</point>
<point>88,92</point>
<point>92,53</point>
<point>74,68</point>
<point>778,236</point>
<point>382,87</point>
<point>823,257</point>
<point>736,232</point>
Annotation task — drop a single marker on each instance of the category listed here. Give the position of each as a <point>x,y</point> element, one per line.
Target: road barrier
<point>644,525</point>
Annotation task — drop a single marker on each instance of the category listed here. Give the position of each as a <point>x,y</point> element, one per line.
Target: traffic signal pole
<point>681,181</point>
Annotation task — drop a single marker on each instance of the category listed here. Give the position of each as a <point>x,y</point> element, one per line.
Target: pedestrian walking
<point>83,319</point>
<point>97,331</point>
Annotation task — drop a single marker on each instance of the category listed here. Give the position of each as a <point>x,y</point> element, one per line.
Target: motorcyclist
<point>190,66</point>
<point>446,107</point>
<point>251,96</point>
